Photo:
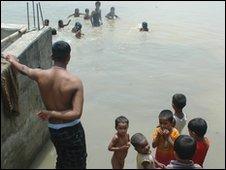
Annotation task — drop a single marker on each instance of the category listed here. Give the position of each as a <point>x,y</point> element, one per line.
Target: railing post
<point>28,22</point>
<point>41,12</point>
<point>38,16</point>
<point>33,12</point>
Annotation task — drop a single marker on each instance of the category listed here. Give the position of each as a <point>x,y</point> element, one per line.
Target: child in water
<point>86,16</point>
<point>144,26</point>
<point>76,13</point>
<point>111,14</point>
<point>77,29</point>
<point>120,143</point>
<point>62,25</point>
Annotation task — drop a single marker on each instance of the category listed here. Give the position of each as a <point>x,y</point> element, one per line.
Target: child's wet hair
<point>60,50</point>
<point>179,100</point>
<point>78,26</point>
<point>166,115</point>
<point>54,31</point>
<point>185,147</point>
<point>60,21</point>
<point>121,119</point>
<point>86,10</point>
<point>137,138</point>
<point>198,126</point>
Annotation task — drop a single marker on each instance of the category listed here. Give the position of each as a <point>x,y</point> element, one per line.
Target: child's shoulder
<point>115,136</point>
<point>206,141</point>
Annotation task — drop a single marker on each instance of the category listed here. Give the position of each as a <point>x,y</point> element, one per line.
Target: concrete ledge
<point>23,136</point>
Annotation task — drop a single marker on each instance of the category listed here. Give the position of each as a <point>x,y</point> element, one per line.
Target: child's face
<point>143,147</point>
<point>165,124</point>
<point>122,128</point>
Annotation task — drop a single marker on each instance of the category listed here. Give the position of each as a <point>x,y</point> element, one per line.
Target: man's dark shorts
<point>70,146</point>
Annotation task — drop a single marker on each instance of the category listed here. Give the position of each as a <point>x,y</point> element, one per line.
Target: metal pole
<point>38,17</point>
<point>41,12</point>
<point>28,22</point>
<point>33,12</point>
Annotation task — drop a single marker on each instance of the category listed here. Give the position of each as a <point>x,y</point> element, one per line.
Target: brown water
<point>135,74</point>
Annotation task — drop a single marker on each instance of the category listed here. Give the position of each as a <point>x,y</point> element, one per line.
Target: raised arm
<point>70,15</point>
<point>74,113</point>
<point>68,23</point>
<point>23,69</point>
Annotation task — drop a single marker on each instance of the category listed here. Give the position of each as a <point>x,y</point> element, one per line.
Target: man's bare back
<point>61,92</point>
<point>57,88</point>
<point>62,95</point>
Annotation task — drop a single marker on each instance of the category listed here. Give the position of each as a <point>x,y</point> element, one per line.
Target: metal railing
<point>38,10</point>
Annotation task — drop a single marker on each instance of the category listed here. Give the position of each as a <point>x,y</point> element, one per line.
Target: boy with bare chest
<point>120,143</point>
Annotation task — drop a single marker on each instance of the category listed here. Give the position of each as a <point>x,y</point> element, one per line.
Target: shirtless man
<point>62,95</point>
<point>95,18</point>
<point>120,143</point>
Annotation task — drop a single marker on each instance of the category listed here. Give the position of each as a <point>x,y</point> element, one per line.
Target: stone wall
<point>23,136</point>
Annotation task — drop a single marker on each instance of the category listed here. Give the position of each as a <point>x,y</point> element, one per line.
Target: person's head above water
<point>76,11</point>
<point>54,32</point>
<point>60,23</point>
<point>46,22</point>
<point>61,52</point>
<point>86,10</point>
<point>144,25</point>
<point>97,4</point>
<point>78,26</point>
<point>112,9</point>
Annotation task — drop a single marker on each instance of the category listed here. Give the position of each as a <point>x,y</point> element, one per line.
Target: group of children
<point>173,150</point>
<point>95,18</point>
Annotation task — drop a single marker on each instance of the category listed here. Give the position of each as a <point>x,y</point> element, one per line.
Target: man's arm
<point>23,69</point>
<point>74,113</point>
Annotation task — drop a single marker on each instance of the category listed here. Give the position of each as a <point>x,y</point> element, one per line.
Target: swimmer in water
<point>144,26</point>
<point>62,25</point>
<point>87,16</point>
<point>111,14</point>
<point>77,29</point>
<point>76,13</point>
